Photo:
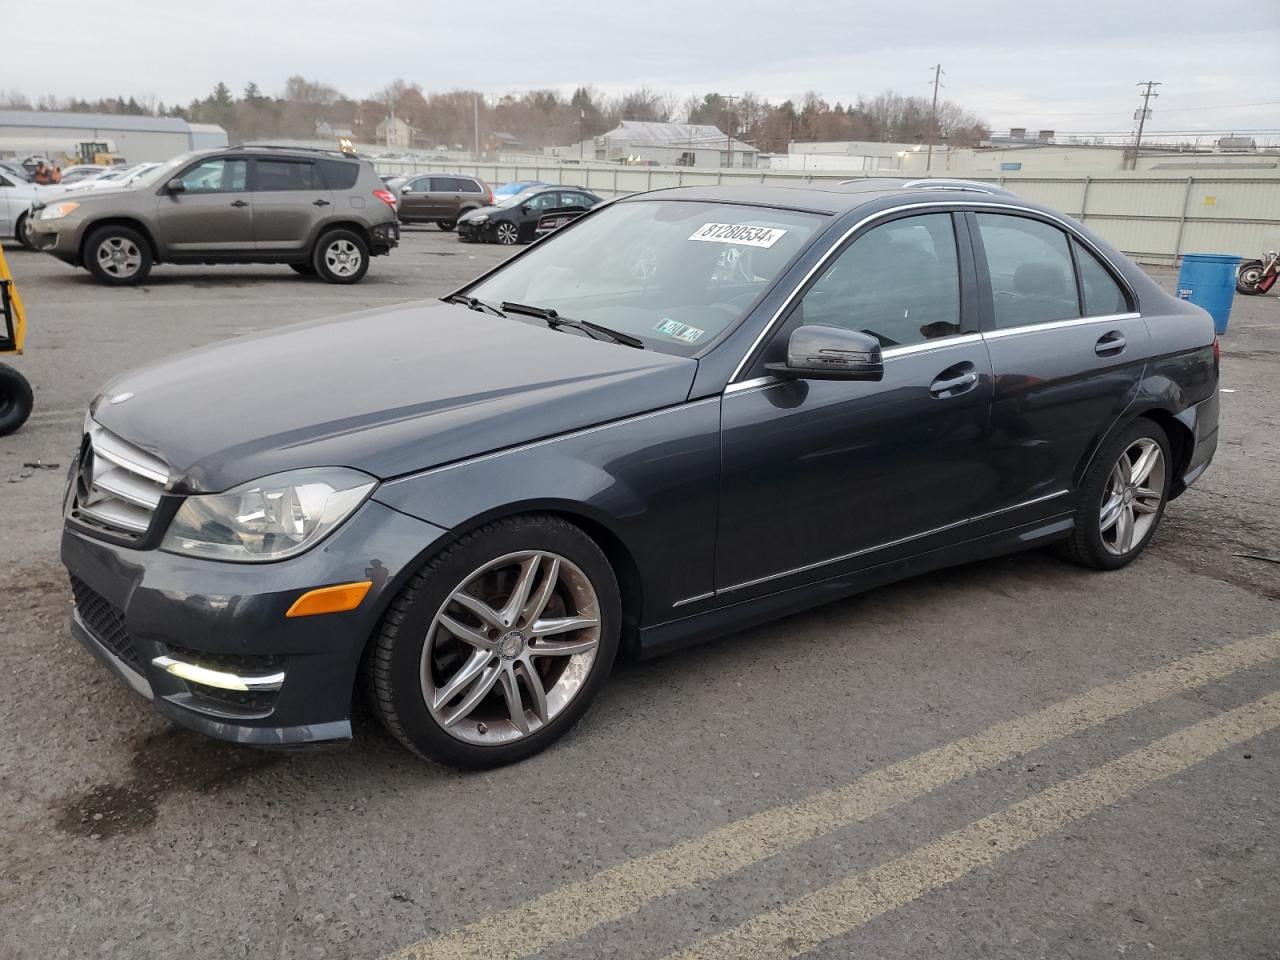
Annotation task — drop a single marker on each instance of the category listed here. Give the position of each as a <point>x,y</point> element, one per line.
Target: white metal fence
<point>1153,216</point>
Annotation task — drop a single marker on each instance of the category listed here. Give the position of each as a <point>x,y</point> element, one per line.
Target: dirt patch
<point>169,762</point>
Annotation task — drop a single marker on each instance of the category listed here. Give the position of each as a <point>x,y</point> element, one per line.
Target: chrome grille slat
<point>118,486</point>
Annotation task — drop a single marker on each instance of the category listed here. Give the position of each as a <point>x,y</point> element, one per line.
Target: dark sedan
<point>687,412</point>
<point>526,216</point>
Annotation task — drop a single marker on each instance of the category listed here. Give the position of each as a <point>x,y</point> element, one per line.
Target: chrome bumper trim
<point>218,678</point>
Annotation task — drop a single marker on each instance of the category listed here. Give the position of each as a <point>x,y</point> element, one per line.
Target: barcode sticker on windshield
<point>678,330</point>
<point>740,234</point>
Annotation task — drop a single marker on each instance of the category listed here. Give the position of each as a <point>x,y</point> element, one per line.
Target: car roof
<point>834,197</point>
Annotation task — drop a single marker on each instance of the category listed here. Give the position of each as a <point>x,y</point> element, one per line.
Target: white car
<point>16,197</point>
<point>83,171</point>
<point>116,178</point>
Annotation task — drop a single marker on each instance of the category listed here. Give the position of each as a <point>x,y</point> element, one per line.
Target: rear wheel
<point>1248,277</point>
<point>446,225</point>
<point>118,255</point>
<point>497,646</point>
<point>341,256</point>
<point>16,399</point>
<point>1122,498</point>
<point>506,233</point>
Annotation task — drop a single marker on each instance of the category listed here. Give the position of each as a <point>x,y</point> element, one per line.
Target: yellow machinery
<point>15,392</point>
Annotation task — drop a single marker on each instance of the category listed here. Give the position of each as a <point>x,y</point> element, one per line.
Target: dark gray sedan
<point>687,412</point>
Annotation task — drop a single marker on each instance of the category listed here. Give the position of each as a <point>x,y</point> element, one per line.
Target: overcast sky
<point>1068,66</point>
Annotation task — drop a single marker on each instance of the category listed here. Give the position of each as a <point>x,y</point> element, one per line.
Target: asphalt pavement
<point>1012,759</point>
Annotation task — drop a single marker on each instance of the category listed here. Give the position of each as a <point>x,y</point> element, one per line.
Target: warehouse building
<point>80,136</point>
<point>666,144</point>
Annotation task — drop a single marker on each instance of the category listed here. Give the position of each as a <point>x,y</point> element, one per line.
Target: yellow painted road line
<point>612,894</point>
<point>832,911</point>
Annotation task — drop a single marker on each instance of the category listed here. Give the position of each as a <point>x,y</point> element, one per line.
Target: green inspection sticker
<point>679,331</point>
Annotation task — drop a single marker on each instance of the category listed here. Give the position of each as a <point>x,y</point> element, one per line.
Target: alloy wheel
<point>119,257</point>
<point>343,258</point>
<point>506,233</point>
<point>510,648</point>
<point>1131,499</point>
<point>1251,275</point>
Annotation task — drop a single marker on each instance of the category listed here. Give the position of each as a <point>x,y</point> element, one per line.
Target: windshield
<point>674,273</point>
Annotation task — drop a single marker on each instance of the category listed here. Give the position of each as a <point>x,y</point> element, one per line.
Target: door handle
<point>1109,344</point>
<point>953,386</point>
<point>320,203</point>
<point>239,203</point>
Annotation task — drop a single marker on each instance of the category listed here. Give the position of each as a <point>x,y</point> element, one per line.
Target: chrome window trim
<point>884,546</point>
<point>483,457</point>
<point>1058,325</point>
<point>951,205</point>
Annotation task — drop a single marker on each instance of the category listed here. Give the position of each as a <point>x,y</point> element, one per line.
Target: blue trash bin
<point>1209,280</point>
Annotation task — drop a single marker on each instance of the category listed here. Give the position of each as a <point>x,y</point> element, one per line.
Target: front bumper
<point>471,230</point>
<point>59,237</point>
<point>186,632</point>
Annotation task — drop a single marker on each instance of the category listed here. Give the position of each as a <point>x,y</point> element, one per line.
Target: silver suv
<point>321,212</point>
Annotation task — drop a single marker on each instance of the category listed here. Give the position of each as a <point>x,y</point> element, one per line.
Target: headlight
<point>268,519</point>
<point>476,217</point>
<point>56,211</point>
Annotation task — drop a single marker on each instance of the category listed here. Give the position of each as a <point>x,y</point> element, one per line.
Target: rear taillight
<point>1217,354</point>
<point>387,197</point>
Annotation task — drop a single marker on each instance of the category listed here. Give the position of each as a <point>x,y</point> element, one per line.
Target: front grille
<point>117,485</point>
<point>106,622</point>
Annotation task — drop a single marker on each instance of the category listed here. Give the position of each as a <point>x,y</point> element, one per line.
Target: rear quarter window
<point>340,175</point>
<point>470,186</point>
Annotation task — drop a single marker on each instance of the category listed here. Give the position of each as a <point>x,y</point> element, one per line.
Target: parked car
<point>438,199</point>
<point>16,197</point>
<point>14,170</point>
<point>320,212</point>
<point>812,392</point>
<point>83,171</point>
<point>115,178</point>
<point>516,186</point>
<point>526,216</point>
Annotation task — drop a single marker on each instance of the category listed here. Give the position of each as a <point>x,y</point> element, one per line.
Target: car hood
<point>390,392</point>
<point>486,211</point>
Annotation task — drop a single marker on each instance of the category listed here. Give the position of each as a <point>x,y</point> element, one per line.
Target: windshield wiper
<point>474,303</point>
<point>555,322</point>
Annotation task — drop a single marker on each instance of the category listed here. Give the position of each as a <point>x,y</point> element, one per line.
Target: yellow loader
<point>15,392</point>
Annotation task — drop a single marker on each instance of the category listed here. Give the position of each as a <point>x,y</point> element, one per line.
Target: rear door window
<point>444,185</point>
<point>287,175</point>
<point>1032,274</point>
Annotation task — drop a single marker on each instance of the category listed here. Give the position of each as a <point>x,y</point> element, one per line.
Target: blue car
<point>514,187</point>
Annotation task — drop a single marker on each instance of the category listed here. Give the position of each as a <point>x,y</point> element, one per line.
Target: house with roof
<point>667,144</point>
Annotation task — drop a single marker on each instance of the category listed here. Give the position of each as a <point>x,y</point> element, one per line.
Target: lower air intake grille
<point>106,622</point>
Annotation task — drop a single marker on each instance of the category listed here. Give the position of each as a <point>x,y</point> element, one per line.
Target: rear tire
<point>474,685</point>
<point>341,256</point>
<point>1122,498</point>
<point>446,225</point>
<point>16,399</point>
<point>22,230</point>
<point>1248,276</point>
<point>118,256</point>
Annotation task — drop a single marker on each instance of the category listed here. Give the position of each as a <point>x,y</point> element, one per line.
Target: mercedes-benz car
<point>525,216</point>
<point>686,412</point>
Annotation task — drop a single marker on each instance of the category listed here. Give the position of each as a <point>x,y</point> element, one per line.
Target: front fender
<point>651,481</point>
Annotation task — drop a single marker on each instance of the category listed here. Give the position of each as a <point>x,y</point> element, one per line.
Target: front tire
<point>341,256</point>
<point>118,256</point>
<point>446,225</point>
<point>1122,498</point>
<point>506,233</point>
<point>1248,277</point>
<point>16,399</point>
<point>497,646</point>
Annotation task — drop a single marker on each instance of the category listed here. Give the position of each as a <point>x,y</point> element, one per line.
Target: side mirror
<point>406,190</point>
<point>818,352</point>
<point>526,208</point>
<point>175,186</point>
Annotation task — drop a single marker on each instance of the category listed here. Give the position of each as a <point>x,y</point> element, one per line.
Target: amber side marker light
<point>335,599</point>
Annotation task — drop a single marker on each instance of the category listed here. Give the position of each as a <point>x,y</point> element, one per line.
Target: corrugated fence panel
<point>1152,216</point>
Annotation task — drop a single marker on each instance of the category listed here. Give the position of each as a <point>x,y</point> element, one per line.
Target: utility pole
<point>1142,116</point>
<point>728,109</point>
<point>933,116</point>
<point>475,108</point>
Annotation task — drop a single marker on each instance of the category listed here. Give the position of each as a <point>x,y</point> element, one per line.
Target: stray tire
<point>498,644</point>
<point>446,225</point>
<point>16,399</point>
<point>506,233</point>
<point>341,256</point>
<point>303,269</point>
<point>118,255</point>
<point>22,230</point>
<point>1122,498</point>
<point>1248,277</point>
